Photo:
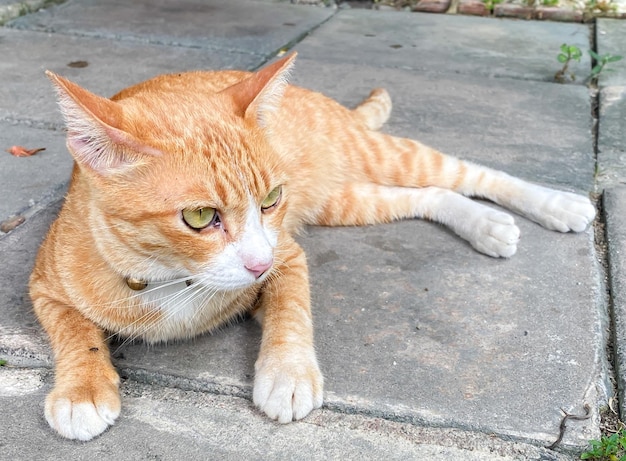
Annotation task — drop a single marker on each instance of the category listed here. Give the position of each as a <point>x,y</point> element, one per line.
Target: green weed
<point>568,54</point>
<point>571,53</point>
<point>601,62</point>
<point>490,4</point>
<point>611,448</point>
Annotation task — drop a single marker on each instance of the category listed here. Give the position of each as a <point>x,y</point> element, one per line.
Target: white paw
<point>288,389</point>
<point>85,419</point>
<point>564,212</point>
<point>494,233</point>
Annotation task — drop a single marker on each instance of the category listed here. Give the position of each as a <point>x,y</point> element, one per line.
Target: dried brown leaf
<point>20,151</point>
<point>9,224</point>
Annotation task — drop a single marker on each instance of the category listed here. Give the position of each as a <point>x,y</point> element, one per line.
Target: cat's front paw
<point>288,388</point>
<point>565,212</point>
<point>84,411</point>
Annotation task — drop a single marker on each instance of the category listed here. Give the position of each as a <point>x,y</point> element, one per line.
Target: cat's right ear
<point>94,134</point>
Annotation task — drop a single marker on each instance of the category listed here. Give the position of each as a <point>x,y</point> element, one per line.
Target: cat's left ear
<point>260,94</point>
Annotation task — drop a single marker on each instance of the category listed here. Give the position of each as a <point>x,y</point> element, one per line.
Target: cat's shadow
<point>220,361</point>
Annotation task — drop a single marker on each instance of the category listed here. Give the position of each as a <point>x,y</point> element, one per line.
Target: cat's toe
<point>570,213</point>
<point>79,419</point>
<point>560,211</point>
<point>287,390</point>
<point>495,234</point>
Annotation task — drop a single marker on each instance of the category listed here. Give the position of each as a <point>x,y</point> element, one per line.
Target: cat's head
<point>177,181</point>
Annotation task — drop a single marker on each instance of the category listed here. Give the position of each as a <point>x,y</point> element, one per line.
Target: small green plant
<point>549,2</point>
<point>2,362</point>
<point>491,4</point>
<point>611,448</point>
<point>568,54</point>
<point>601,62</point>
<point>571,53</point>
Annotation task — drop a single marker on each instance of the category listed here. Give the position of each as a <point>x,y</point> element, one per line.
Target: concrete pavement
<point>429,349</point>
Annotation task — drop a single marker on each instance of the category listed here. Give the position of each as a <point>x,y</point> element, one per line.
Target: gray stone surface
<point>170,424</point>
<point>612,106</point>
<point>615,212</point>
<point>513,125</point>
<point>30,180</point>
<point>237,26</point>
<point>429,350</point>
<point>111,66</point>
<point>430,44</point>
<point>611,38</point>
<point>21,337</point>
<point>611,138</point>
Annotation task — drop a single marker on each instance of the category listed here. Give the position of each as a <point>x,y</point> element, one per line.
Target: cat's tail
<point>374,110</point>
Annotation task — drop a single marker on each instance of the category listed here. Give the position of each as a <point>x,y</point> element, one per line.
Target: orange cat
<point>184,195</point>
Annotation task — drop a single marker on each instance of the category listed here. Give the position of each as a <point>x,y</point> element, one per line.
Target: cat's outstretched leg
<point>553,209</point>
<point>85,399</point>
<point>394,161</point>
<point>288,383</point>
<point>488,230</point>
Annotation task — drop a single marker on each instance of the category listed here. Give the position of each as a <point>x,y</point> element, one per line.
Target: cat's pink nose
<point>259,269</point>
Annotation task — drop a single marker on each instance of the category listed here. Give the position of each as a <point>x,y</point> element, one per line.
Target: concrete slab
<point>611,137</point>
<point>466,336</point>
<point>26,93</point>
<point>615,215</point>
<point>27,181</point>
<point>169,424</point>
<point>430,44</point>
<point>513,125</point>
<point>238,26</point>
<point>21,337</point>
<point>424,330</point>
<point>413,327</point>
<point>362,275</point>
<point>611,37</point>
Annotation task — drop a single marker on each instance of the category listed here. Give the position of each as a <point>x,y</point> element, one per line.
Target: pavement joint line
<point>135,39</point>
<point>32,123</point>
<point>428,423</point>
<point>292,43</point>
<point>180,383</point>
<point>612,338</point>
<point>421,434</point>
<point>52,196</point>
<point>214,387</point>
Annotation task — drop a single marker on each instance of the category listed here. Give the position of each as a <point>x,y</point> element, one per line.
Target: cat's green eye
<point>199,218</point>
<point>272,198</point>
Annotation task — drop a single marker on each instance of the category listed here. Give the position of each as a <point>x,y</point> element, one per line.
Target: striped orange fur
<point>184,197</point>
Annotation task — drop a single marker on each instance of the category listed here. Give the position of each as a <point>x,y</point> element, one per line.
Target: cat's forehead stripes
<point>236,172</point>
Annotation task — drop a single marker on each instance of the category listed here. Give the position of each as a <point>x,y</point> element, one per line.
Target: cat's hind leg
<point>405,162</point>
<point>374,110</point>
<point>488,230</point>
